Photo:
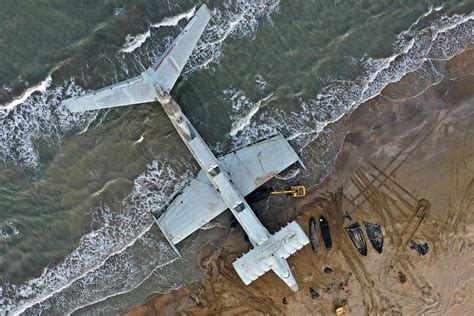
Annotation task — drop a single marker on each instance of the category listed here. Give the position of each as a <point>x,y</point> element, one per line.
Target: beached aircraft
<point>222,182</point>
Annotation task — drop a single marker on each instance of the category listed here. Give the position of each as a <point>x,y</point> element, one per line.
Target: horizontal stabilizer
<point>249,168</point>
<point>133,91</point>
<point>164,74</point>
<point>271,254</point>
<point>167,70</point>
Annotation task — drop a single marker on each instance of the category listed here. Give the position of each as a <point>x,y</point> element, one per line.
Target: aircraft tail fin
<point>271,255</point>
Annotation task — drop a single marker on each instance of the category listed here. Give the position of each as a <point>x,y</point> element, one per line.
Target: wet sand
<point>406,162</point>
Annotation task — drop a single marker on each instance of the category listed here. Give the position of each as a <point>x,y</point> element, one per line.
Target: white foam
<point>239,19</point>
<point>14,229</point>
<point>30,119</point>
<point>117,233</point>
<point>4,234</point>
<point>260,82</point>
<point>40,116</point>
<point>443,39</point>
<point>133,42</point>
<point>244,110</point>
<point>173,21</point>
<point>40,87</point>
<point>128,270</point>
<point>235,20</point>
<point>127,289</point>
<point>8,231</point>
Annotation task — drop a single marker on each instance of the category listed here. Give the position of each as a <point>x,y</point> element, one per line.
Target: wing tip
<point>70,104</point>
<point>165,234</point>
<point>204,7</point>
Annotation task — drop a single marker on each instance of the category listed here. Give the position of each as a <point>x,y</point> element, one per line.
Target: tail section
<point>142,89</point>
<point>271,255</point>
<point>167,70</point>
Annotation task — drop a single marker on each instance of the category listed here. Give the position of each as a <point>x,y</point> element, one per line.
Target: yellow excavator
<point>293,191</point>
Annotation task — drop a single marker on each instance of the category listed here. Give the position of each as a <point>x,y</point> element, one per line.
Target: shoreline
<point>394,136</point>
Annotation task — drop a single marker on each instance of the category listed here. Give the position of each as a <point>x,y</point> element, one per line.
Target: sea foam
<point>108,247</point>
<point>442,39</point>
<point>100,251</point>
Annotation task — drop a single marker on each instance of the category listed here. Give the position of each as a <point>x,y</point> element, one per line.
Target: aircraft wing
<point>248,168</point>
<point>141,89</point>
<point>133,91</point>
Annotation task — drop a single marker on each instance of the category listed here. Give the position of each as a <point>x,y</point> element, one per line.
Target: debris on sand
<point>313,234</point>
<point>330,286</point>
<point>374,232</point>
<point>357,236</point>
<point>326,234</point>
<point>402,277</point>
<point>327,269</point>
<point>340,310</point>
<point>421,248</point>
<point>285,301</point>
<point>314,294</point>
<point>347,216</point>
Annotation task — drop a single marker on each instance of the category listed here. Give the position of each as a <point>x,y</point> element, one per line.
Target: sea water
<point>76,190</point>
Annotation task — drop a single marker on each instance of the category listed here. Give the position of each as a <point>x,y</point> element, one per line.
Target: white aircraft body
<point>222,182</point>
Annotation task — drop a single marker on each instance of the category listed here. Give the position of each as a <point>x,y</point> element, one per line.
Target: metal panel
<point>132,91</point>
<point>260,259</point>
<point>252,166</point>
<point>141,89</point>
<point>194,207</point>
<point>167,70</point>
<point>248,167</point>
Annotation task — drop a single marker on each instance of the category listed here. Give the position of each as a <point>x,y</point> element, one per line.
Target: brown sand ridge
<point>407,163</point>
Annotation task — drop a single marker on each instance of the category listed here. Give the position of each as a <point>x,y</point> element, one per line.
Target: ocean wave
<point>108,246</point>
<point>243,109</point>
<point>238,19</point>
<point>40,116</point>
<point>173,21</point>
<point>441,40</point>
<point>117,232</point>
<point>120,274</point>
<point>133,42</point>
<point>234,19</point>
<point>40,87</point>
<point>8,230</point>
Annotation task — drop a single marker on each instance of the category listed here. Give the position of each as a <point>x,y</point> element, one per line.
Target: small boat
<point>374,232</point>
<point>326,234</point>
<point>357,236</point>
<point>313,234</point>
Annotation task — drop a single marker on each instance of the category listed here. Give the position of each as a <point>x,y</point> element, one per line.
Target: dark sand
<point>406,162</point>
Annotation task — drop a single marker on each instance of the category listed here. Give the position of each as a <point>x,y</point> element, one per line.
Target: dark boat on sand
<point>326,234</point>
<point>374,232</point>
<point>357,236</point>
<point>313,234</point>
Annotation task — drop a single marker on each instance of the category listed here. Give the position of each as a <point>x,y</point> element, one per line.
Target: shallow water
<point>76,190</point>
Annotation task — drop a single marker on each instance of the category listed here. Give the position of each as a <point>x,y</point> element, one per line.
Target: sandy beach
<point>406,163</point>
